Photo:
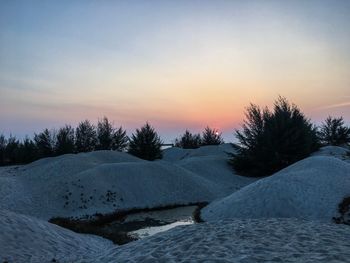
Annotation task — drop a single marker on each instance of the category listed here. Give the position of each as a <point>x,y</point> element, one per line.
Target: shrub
<point>211,137</point>
<point>188,140</point>
<point>85,137</point>
<point>270,141</point>
<point>146,143</point>
<point>334,132</point>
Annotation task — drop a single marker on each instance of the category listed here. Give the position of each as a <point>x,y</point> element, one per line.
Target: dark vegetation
<point>267,142</point>
<point>272,140</point>
<point>193,141</point>
<point>48,143</point>
<point>344,211</point>
<point>146,143</point>
<point>334,132</point>
<point>100,224</point>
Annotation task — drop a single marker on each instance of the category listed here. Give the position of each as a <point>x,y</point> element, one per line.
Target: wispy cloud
<point>336,105</point>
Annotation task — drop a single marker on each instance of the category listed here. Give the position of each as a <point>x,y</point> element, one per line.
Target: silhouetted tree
<point>104,134</point>
<point>271,141</point>
<point>188,140</point>
<point>28,151</point>
<point>211,137</point>
<point>44,142</point>
<point>2,149</point>
<point>146,143</point>
<point>85,137</point>
<point>120,139</point>
<point>12,150</point>
<point>334,132</point>
<point>64,140</point>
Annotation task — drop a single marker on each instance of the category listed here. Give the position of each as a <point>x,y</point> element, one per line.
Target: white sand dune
<point>250,220</point>
<point>311,189</point>
<point>105,181</point>
<point>273,240</point>
<point>27,239</point>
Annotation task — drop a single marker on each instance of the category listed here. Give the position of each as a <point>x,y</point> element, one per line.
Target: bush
<point>270,141</point>
<point>211,137</point>
<point>146,144</point>
<point>334,132</point>
<point>188,140</point>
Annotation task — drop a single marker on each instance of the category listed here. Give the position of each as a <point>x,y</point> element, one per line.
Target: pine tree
<point>3,143</point>
<point>45,143</point>
<point>27,151</point>
<point>146,143</point>
<point>270,141</point>
<point>120,140</point>
<point>334,132</point>
<point>211,137</point>
<point>188,140</point>
<point>12,150</point>
<point>105,133</point>
<point>65,140</point>
<point>85,137</point>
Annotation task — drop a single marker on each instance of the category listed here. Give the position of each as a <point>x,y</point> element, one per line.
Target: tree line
<point>86,137</point>
<point>268,141</point>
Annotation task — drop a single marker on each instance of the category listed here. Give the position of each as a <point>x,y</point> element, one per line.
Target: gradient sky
<point>176,64</point>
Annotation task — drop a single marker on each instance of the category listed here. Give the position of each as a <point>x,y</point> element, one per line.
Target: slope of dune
<point>311,189</point>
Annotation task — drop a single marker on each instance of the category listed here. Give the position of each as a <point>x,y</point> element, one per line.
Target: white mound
<point>311,189</point>
<point>335,151</point>
<point>105,181</point>
<point>274,240</point>
<point>26,239</point>
<point>176,154</point>
<point>103,189</point>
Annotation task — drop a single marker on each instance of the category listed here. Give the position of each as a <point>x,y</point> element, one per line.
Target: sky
<point>176,64</point>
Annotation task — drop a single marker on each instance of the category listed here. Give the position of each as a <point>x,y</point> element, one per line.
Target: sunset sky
<point>176,64</point>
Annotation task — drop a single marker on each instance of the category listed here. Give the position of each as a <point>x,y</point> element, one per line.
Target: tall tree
<point>211,137</point>
<point>120,139</point>
<point>105,133</point>
<point>85,137</point>
<point>28,151</point>
<point>270,141</point>
<point>45,143</point>
<point>65,140</point>
<point>146,143</point>
<point>12,150</point>
<point>3,143</point>
<point>334,132</point>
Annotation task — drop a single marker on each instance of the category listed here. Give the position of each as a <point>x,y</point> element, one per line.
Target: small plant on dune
<point>211,137</point>
<point>146,143</point>
<point>272,140</point>
<point>188,140</point>
<point>334,132</point>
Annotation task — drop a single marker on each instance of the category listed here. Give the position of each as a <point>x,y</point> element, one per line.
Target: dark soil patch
<point>344,211</point>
